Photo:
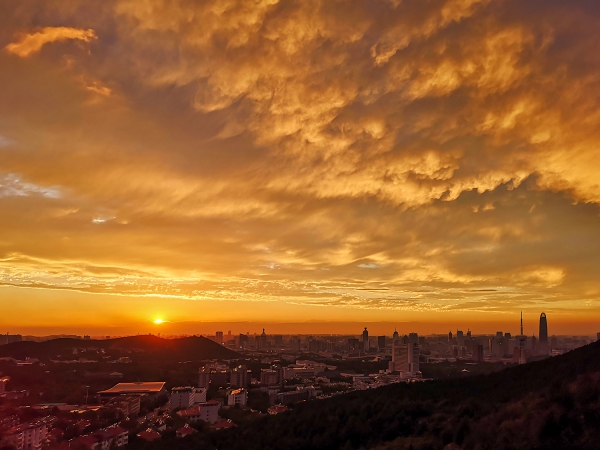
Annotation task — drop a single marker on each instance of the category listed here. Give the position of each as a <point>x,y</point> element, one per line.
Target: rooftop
<point>146,387</point>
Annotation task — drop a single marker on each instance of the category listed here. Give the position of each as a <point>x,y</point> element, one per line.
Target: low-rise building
<point>152,389</point>
<point>276,409</point>
<point>184,431</point>
<point>129,405</point>
<point>224,424</point>
<point>149,435</point>
<point>208,412</point>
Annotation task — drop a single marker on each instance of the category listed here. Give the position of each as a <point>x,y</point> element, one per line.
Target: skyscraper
<point>405,359</point>
<point>522,339</point>
<point>543,343</point>
<point>365,338</point>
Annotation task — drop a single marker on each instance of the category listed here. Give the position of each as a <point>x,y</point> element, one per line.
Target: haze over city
<point>308,167</point>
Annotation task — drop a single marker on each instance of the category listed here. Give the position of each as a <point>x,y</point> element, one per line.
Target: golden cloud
<point>33,42</point>
<point>444,151</point>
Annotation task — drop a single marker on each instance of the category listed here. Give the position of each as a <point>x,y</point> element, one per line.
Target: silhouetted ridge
<point>188,348</point>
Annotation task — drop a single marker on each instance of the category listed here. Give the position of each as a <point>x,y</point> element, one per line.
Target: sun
<point>158,321</point>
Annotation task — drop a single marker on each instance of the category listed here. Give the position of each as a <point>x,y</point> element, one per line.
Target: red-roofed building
<point>89,442</point>
<point>184,431</point>
<point>149,435</point>
<point>223,425</point>
<point>119,435</point>
<point>276,409</point>
<point>208,412</point>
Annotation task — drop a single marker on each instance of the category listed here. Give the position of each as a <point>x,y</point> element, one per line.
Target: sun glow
<point>158,321</point>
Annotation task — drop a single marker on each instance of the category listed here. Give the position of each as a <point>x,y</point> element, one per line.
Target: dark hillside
<point>146,346</point>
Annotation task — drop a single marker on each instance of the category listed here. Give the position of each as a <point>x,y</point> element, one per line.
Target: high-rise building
<point>450,336</point>
<point>240,377</point>
<point>543,342</point>
<point>395,335</point>
<point>478,353</point>
<point>413,338</point>
<point>522,339</point>
<point>460,337</point>
<point>295,343</point>
<point>261,341</point>
<point>365,339</point>
<point>405,358</point>
<point>219,336</point>
<point>381,342</point>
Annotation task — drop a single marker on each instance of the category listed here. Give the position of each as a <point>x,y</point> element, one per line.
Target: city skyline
<point>534,328</point>
<point>308,165</point>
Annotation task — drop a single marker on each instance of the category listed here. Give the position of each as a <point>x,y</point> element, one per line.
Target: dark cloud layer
<point>403,155</point>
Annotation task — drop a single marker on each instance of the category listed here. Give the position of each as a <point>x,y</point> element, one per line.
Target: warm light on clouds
<point>339,160</point>
<point>33,42</point>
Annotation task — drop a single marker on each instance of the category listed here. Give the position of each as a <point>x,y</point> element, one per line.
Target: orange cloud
<point>33,43</point>
<point>361,156</point>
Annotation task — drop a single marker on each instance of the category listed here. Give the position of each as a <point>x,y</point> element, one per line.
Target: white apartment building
<point>182,397</point>
<point>208,412</point>
<point>186,397</point>
<point>237,397</point>
<point>28,436</point>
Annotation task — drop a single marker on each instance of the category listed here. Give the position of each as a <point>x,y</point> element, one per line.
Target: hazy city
<point>299,225</point>
<point>110,401</point>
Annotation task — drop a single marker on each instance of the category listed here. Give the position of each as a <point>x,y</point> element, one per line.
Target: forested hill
<point>143,347</point>
<point>550,404</point>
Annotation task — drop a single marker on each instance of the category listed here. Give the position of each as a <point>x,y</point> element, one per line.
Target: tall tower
<point>365,337</point>
<point>543,345</point>
<point>522,338</point>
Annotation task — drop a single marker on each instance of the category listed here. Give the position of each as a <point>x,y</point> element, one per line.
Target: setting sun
<point>158,321</point>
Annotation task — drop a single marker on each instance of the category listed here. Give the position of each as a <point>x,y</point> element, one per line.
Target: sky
<point>314,164</point>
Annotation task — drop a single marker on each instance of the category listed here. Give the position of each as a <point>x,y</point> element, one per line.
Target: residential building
<point>128,404</point>
<point>208,412</point>
<point>184,431</point>
<point>27,436</point>
<point>182,397</point>
<point>149,435</point>
<point>237,397</point>
<point>240,377</point>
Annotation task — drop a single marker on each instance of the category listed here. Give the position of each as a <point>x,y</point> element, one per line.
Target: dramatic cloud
<point>33,43</point>
<point>405,156</point>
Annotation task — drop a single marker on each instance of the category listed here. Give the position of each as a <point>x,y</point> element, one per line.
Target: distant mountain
<point>139,347</point>
<point>550,404</point>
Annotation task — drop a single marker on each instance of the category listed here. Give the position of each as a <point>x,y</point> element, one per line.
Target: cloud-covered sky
<point>336,160</point>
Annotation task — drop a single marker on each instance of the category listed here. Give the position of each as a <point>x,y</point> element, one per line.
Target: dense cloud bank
<point>417,155</point>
